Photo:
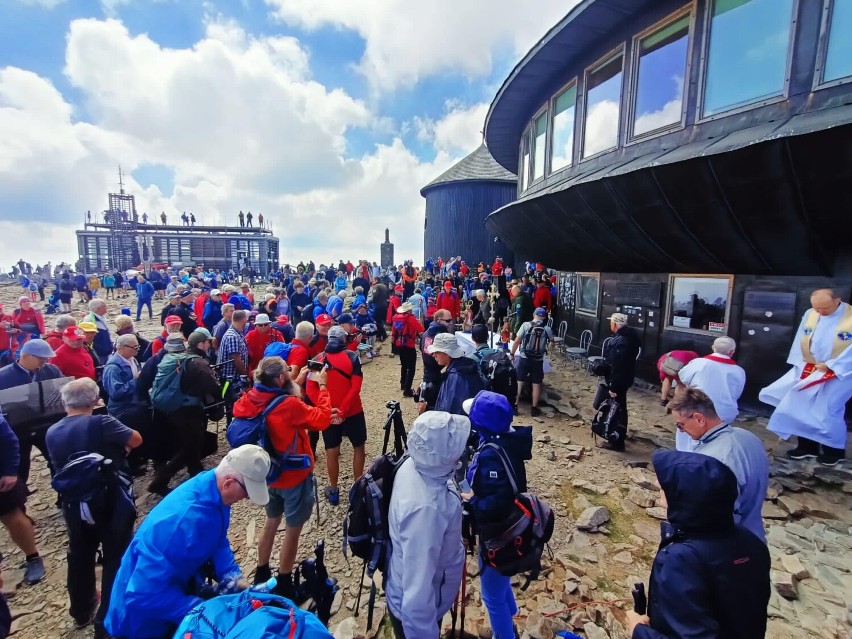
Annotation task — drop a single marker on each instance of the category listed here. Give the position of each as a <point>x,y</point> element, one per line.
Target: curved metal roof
<point>547,66</point>
<point>479,166</point>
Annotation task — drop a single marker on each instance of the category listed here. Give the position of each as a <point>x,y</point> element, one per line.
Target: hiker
<point>405,330</point>
<point>292,494</point>
<point>710,577</point>
<point>492,499</point>
<point>425,523</point>
<point>182,541</point>
<point>107,525</point>
<point>529,348</point>
<point>460,377</point>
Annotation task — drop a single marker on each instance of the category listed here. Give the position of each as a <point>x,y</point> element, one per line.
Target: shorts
<point>13,499</point>
<point>530,370</point>
<point>355,429</point>
<point>294,503</point>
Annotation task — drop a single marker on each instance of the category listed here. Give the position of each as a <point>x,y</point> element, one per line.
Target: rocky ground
<point>607,525</point>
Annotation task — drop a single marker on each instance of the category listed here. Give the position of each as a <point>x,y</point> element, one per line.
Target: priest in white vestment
<point>811,398</point>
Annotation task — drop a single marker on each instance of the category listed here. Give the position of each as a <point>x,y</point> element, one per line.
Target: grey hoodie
<point>425,566</point>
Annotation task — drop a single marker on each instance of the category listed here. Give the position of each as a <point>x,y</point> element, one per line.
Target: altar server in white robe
<point>811,398</point>
<point>721,379</point>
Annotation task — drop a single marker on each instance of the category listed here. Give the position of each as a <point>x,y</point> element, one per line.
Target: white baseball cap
<point>252,462</point>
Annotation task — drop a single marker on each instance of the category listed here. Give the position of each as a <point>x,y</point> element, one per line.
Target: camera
<point>315,366</point>
<point>392,405</point>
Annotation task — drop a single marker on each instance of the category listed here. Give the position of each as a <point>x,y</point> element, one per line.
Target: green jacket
<point>521,310</point>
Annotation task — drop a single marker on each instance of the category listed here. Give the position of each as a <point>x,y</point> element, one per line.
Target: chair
<point>579,353</point>
<point>559,339</point>
<point>595,359</point>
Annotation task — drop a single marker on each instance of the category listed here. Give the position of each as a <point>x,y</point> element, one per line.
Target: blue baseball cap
<point>346,318</point>
<point>490,411</point>
<point>541,311</point>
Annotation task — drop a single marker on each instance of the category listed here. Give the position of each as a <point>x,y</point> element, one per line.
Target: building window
<point>603,96</point>
<point>562,136</point>
<point>524,172</point>
<point>660,77</point>
<point>838,56</point>
<point>747,54</point>
<point>588,289</point>
<point>700,302</point>
<point>539,146</point>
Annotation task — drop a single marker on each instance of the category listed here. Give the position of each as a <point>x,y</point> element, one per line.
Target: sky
<point>327,116</point>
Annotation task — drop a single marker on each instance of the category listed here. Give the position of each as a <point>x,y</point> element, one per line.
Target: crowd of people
<point>291,358</point>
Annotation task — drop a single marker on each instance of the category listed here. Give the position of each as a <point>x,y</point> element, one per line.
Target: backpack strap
<point>510,471</point>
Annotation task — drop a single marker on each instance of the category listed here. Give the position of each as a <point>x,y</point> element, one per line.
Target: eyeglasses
<point>680,425</point>
<point>242,485</point>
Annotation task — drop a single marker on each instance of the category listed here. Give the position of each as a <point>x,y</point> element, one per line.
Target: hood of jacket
<point>436,442</point>
<point>700,491</point>
<point>518,442</point>
<point>463,366</point>
<point>251,404</point>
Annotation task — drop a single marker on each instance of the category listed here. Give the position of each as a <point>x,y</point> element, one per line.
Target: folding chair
<point>595,359</point>
<point>559,339</point>
<point>579,353</point>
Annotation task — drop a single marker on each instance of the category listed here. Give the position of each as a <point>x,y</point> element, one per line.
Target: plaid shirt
<point>232,342</point>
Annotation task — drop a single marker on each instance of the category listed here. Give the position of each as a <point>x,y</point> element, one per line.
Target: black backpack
<point>500,373</point>
<point>515,545</point>
<point>607,422</point>
<point>535,341</point>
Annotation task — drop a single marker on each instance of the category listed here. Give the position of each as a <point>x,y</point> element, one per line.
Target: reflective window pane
<point>587,298</point>
<point>747,57</point>
<point>838,59</point>
<point>525,161</point>
<point>540,132</point>
<point>659,85</point>
<point>603,96</point>
<point>699,303</point>
<point>562,140</point>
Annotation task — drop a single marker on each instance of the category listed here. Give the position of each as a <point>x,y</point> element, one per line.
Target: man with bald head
<point>810,399</point>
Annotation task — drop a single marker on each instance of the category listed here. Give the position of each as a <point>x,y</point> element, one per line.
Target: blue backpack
<point>278,349</point>
<point>253,430</point>
<point>250,615</point>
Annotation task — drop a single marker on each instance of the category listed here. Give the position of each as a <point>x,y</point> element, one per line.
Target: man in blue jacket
<point>710,577</point>
<point>461,376</point>
<point>162,573</point>
<point>144,293</point>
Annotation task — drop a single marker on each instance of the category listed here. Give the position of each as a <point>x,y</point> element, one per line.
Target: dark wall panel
<point>455,221</point>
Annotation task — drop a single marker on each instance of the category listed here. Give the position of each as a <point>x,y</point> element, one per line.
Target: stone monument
<point>387,251</point>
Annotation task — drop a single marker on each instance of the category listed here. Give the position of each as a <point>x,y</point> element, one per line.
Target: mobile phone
<point>464,486</point>
<point>315,365</point>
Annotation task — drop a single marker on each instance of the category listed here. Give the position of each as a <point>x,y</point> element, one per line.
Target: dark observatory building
<point>686,163</point>
<point>457,203</point>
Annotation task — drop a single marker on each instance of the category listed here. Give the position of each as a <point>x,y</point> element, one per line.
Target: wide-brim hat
<point>405,308</point>
<point>446,343</point>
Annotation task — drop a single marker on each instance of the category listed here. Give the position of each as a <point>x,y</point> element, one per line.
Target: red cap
<point>174,319</point>
<point>282,319</point>
<point>398,288</point>
<point>324,320</point>
<point>448,284</point>
<point>73,332</point>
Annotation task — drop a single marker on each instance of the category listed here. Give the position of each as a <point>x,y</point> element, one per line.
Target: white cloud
<point>407,41</point>
<point>459,130</point>
<point>240,123</point>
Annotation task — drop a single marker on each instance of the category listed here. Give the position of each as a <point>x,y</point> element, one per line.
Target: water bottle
<point>266,586</point>
<point>568,635</point>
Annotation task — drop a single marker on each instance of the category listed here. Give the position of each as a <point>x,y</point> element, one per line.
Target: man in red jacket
<point>198,307</point>
<point>448,299</point>
<point>542,296</point>
<point>405,330</point>
<point>54,337</point>
<point>394,302</point>
<point>344,384</point>
<point>258,339</point>
<point>72,358</point>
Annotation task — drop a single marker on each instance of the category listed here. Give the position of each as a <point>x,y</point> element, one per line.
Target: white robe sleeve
<point>795,358</point>
<point>842,364</point>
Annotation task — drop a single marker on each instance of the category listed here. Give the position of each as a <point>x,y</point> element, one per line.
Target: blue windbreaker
<point>188,528</point>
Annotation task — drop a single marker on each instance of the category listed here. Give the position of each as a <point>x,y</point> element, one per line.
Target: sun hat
<point>405,307</point>
<point>252,462</point>
<point>262,318</point>
<point>37,348</point>
<point>88,327</point>
<point>489,411</point>
<point>446,343</point>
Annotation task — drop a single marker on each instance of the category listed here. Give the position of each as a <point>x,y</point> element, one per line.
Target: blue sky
<point>313,111</point>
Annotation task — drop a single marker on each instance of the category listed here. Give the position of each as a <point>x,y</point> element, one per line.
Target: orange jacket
<point>291,418</point>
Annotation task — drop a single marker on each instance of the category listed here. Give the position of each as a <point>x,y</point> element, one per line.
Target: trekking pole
<point>464,590</point>
<point>360,587</point>
<point>316,499</point>
<point>454,611</point>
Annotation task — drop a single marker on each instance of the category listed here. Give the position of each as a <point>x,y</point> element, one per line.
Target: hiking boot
<point>82,622</point>
<point>158,487</point>
<point>284,587</point>
<point>617,446</point>
<point>664,402</point>
<point>332,494</point>
<point>514,409</point>
<point>408,393</point>
<point>831,456</point>
<point>34,572</point>
<point>535,411</point>
<point>262,574</point>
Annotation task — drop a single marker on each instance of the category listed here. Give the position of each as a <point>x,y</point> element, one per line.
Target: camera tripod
<point>400,438</point>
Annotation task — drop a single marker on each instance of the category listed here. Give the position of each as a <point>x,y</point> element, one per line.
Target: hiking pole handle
<point>640,600</point>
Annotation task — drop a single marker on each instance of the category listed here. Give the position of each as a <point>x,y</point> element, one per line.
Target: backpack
<point>500,374</point>
<point>535,341</point>
<point>401,333</point>
<point>515,545</point>
<point>606,423</point>
<point>365,526</point>
<point>248,615</point>
<point>166,393</point>
<point>148,352</point>
<point>278,349</point>
<point>253,430</point>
